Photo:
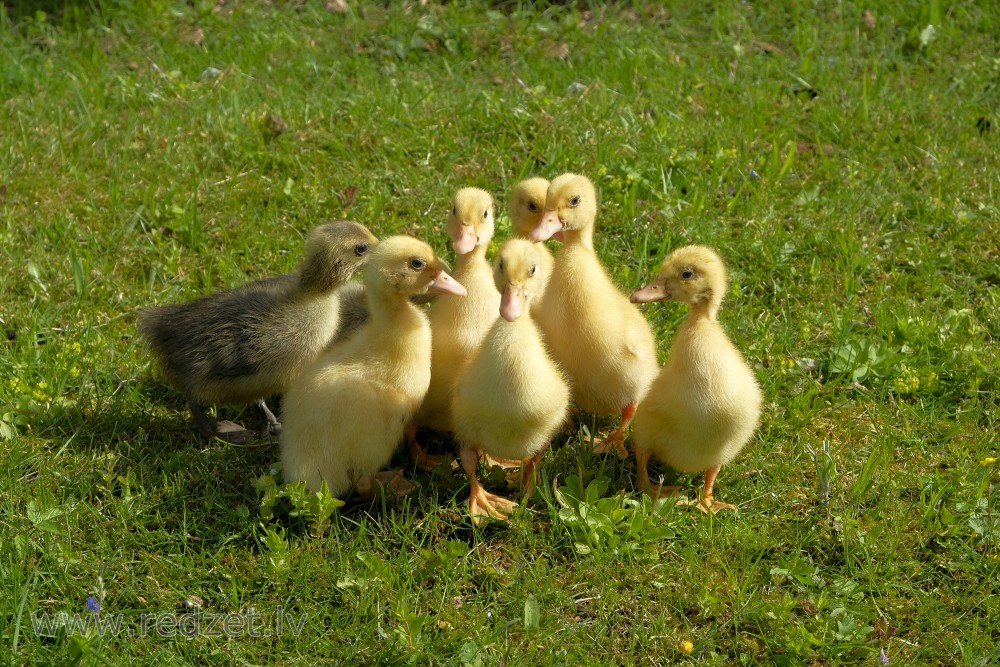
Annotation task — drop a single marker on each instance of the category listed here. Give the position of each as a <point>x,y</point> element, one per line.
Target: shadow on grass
<point>138,439</point>
<point>132,444</point>
<point>55,10</point>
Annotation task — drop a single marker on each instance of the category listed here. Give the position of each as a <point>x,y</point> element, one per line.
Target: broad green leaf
<point>532,614</point>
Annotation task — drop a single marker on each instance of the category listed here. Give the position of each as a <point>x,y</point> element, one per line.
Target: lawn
<point>842,157</point>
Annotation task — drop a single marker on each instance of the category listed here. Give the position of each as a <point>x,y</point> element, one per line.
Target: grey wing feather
<point>214,336</point>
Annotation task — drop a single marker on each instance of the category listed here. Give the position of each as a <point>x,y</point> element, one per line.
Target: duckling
<point>511,397</point>
<point>604,342</point>
<point>347,412</point>
<point>354,308</point>
<point>459,325</point>
<point>705,405</point>
<point>526,208</point>
<point>243,345</point>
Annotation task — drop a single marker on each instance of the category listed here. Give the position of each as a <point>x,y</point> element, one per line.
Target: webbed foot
<point>390,482</point>
<point>483,504</point>
<point>232,433</point>
<point>423,459</point>
<point>615,442</point>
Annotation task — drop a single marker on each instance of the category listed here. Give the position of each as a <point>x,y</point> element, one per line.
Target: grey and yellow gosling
<point>241,346</point>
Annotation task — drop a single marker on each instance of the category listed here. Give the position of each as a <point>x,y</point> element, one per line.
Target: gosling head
<point>527,205</point>
<point>517,273</point>
<point>694,275</point>
<point>470,220</point>
<point>404,266</point>
<point>570,208</point>
<point>334,251</point>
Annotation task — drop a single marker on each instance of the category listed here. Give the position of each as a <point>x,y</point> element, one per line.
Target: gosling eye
<point>532,206</point>
<point>687,274</point>
<point>486,214</point>
<point>417,264</point>
<point>360,249</point>
<point>532,272</point>
<point>454,210</point>
<point>501,265</point>
<point>574,200</point>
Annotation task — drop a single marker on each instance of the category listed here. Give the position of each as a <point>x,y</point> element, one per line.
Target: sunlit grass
<point>845,167</point>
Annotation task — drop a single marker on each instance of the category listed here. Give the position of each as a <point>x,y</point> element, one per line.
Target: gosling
<point>241,346</point>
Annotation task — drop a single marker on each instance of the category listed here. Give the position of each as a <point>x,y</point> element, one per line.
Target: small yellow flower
<point>43,384</point>
<point>686,647</point>
<point>908,380</point>
<point>988,460</point>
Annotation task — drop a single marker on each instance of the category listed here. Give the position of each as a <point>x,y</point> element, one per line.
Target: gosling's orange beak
<point>512,302</point>
<point>654,291</point>
<point>445,284</point>
<point>547,227</point>
<point>465,241</point>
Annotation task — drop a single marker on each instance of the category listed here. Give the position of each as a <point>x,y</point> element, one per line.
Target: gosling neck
<point>583,236</point>
<point>385,305</point>
<point>477,253</point>
<point>319,275</point>
<point>705,309</point>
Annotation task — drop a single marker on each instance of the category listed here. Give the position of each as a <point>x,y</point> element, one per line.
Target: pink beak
<point>465,241</point>
<point>549,225</point>
<point>512,302</point>
<point>445,284</point>
<point>654,291</point>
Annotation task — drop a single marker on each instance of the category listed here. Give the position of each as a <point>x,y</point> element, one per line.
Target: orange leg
<point>529,472</point>
<point>708,503</point>
<point>616,439</point>
<point>642,476</point>
<point>481,502</point>
<point>569,425</point>
<point>420,456</point>
<point>642,469</point>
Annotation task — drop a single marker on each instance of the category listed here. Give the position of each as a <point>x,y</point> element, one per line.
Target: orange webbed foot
<point>659,491</point>
<point>614,443</point>
<point>506,464</point>
<point>483,504</point>
<point>423,459</point>
<point>707,505</point>
<point>391,481</point>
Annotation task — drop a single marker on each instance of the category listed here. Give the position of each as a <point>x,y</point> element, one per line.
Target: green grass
<point>846,174</point>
